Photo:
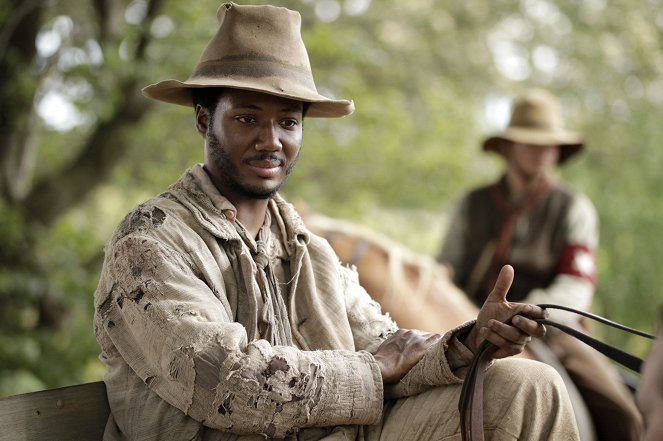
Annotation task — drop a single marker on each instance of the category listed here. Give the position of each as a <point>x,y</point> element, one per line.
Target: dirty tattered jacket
<point>180,362</point>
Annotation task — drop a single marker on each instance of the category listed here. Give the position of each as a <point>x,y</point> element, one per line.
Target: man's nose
<point>269,139</point>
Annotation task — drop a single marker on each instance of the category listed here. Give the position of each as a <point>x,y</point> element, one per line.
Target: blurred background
<point>79,145</point>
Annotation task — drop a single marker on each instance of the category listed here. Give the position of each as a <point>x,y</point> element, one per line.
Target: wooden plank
<point>68,413</point>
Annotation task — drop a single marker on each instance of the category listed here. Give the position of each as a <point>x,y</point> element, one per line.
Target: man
<point>221,317</point>
<point>549,234</point>
<point>650,389</point>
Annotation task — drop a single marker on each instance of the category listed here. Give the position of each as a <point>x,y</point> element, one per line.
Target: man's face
<point>532,161</point>
<point>252,143</point>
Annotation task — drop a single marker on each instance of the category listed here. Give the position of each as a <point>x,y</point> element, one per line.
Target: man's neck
<point>250,211</point>
<point>521,185</point>
<point>251,214</point>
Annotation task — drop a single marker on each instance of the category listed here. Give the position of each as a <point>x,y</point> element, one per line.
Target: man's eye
<point>289,123</point>
<point>245,119</point>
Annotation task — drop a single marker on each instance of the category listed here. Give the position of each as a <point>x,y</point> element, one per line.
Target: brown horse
<point>418,292</point>
<point>413,288</point>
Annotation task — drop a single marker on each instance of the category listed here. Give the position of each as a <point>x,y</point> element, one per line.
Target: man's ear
<point>202,119</point>
<point>505,148</point>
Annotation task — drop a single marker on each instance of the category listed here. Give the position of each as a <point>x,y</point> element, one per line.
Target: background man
<point>549,234</point>
<point>220,316</point>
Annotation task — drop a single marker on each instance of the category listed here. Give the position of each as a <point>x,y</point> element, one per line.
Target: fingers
<point>506,347</point>
<point>529,327</point>
<point>402,350</point>
<point>511,339</point>
<point>531,311</point>
<point>433,338</point>
<point>500,333</point>
<point>504,280</point>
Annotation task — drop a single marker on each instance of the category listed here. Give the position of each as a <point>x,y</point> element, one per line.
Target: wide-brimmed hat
<point>256,48</point>
<point>537,119</point>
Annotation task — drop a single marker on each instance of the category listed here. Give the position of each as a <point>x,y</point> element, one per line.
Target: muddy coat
<point>176,313</point>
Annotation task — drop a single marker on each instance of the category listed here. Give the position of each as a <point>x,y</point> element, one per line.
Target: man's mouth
<point>266,166</point>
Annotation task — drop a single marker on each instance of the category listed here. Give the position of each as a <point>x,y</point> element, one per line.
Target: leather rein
<point>471,396</point>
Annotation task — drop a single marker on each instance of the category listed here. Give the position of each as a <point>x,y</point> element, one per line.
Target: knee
<point>525,369</point>
<point>529,380</point>
<point>528,399</point>
<point>531,394</point>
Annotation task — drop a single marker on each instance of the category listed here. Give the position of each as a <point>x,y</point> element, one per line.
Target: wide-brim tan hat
<point>257,48</point>
<point>537,119</point>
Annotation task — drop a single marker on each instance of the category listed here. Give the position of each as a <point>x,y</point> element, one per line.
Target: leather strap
<point>471,395</point>
<point>470,404</point>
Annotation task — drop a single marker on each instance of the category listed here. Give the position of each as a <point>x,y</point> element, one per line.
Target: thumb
<point>504,280</point>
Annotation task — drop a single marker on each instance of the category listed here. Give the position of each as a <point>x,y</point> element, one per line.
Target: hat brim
<point>179,92</point>
<point>569,143</point>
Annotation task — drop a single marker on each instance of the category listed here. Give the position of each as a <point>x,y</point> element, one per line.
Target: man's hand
<point>397,354</point>
<point>510,339</point>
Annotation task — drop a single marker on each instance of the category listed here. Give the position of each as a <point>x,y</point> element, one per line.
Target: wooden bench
<point>72,413</point>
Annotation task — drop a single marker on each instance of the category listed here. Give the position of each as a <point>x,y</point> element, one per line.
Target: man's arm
<point>171,328</point>
<point>575,281</point>
<point>415,361</point>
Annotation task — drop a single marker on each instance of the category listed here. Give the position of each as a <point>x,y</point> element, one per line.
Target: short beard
<point>528,177</point>
<point>228,171</point>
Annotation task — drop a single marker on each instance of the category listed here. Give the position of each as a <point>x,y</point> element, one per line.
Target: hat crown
<point>258,48</point>
<point>537,109</point>
<point>536,119</point>
<point>260,41</point>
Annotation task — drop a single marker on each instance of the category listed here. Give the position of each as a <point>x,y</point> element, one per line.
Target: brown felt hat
<point>256,48</point>
<point>537,119</point>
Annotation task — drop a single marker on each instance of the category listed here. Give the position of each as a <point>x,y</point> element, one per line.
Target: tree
<point>74,51</point>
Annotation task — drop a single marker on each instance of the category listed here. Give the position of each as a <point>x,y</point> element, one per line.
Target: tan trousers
<point>524,400</point>
<point>610,403</point>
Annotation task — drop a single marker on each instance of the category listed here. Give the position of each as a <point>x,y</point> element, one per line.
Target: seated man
<point>221,317</point>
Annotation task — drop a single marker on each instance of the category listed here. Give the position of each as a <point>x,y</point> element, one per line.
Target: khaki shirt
<point>176,311</point>
<point>550,239</point>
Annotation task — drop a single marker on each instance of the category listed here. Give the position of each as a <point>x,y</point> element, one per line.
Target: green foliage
<point>424,75</point>
<point>45,293</point>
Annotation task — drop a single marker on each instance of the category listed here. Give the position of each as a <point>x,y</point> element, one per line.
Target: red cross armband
<point>578,260</point>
